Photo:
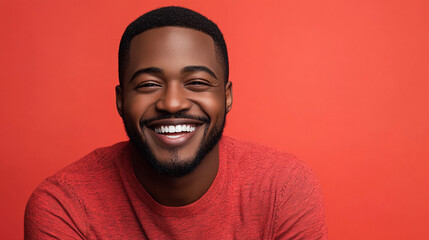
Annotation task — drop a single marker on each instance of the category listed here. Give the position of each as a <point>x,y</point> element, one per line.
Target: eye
<point>198,83</point>
<point>148,85</point>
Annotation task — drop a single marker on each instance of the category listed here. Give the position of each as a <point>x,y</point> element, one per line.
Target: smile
<point>174,132</point>
<point>175,129</point>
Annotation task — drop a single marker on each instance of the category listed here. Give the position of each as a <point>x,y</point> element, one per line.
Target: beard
<point>176,167</point>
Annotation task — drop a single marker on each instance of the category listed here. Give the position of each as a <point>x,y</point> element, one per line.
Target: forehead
<point>171,49</point>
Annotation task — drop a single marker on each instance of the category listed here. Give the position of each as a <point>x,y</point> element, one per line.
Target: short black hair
<point>172,16</point>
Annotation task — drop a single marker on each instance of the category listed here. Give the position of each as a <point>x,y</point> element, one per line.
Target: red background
<point>342,84</point>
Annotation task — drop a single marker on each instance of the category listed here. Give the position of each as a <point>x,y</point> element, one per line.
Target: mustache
<point>204,119</point>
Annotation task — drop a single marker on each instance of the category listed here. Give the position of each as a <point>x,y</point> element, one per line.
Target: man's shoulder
<point>100,164</point>
<point>94,169</point>
<point>99,160</point>
<point>253,160</point>
<point>250,152</point>
<point>60,198</point>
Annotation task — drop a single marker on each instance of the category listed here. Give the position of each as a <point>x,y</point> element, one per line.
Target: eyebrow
<point>187,69</point>
<point>145,70</point>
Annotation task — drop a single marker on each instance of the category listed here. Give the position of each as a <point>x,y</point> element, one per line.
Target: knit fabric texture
<point>258,193</point>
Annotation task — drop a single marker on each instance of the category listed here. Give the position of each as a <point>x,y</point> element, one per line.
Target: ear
<point>228,96</point>
<point>119,99</point>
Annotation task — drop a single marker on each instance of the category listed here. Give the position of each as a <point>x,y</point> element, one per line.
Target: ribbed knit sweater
<point>258,193</point>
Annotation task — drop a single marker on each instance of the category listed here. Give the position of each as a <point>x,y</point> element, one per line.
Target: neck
<point>177,191</point>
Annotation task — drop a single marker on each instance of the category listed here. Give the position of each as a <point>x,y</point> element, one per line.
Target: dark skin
<point>173,69</point>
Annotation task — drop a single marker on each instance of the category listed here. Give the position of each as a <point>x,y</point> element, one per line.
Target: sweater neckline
<point>191,209</point>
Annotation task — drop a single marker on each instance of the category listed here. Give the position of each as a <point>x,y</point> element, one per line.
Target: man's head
<point>172,16</point>
<point>174,93</point>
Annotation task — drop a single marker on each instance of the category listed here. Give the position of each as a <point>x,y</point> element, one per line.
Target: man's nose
<point>173,99</point>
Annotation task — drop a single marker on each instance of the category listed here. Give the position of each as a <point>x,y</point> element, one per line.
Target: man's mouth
<point>175,131</point>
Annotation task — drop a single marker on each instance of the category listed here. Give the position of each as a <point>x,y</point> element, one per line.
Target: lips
<point>174,132</point>
<point>184,128</point>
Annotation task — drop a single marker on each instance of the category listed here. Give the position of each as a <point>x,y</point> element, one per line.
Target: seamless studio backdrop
<point>344,85</point>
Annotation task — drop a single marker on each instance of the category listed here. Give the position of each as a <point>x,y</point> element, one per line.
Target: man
<point>177,177</point>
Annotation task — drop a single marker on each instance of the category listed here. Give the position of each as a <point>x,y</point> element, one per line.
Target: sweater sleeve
<point>300,213</point>
<point>54,212</point>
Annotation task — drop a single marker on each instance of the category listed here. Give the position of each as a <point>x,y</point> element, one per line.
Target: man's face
<point>173,99</point>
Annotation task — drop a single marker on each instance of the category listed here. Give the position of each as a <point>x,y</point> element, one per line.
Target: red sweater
<point>258,193</point>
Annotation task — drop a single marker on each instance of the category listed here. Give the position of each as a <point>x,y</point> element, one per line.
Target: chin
<point>176,166</point>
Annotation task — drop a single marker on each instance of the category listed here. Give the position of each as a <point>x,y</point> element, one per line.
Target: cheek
<point>214,106</point>
<point>134,107</point>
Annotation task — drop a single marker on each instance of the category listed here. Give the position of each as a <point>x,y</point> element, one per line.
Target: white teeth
<point>174,129</point>
<point>174,136</point>
<point>171,129</point>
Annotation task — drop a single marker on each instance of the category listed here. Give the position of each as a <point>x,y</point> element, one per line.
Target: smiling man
<point>177,177</point>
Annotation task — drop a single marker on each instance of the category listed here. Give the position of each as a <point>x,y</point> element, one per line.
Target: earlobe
<point>228,96</point>
<point>119,99</point>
